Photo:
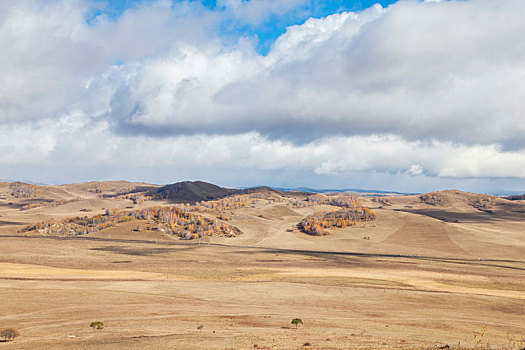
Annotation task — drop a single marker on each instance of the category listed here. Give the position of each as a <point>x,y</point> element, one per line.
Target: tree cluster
<point>338,200</point>
<point>26,191</point>
<point>234,202</point>
<point>180,219</point>
<point>8,334</point>
<point>318,224</point>
<point>431,199</point>
<point>170,219</point>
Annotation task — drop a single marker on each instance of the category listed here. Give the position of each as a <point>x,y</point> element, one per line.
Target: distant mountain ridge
<point>515,197</point>
<point>196,191</point>
<point>356,190</point>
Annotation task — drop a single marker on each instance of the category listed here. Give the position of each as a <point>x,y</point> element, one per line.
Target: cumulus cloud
<point>451,70</point>
<point>51,54</point>
<point>421,88</point>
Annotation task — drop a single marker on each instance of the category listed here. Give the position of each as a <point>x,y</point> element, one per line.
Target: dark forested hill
<point>191,192</point>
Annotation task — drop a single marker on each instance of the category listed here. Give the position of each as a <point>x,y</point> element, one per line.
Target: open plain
<point>426,273</point>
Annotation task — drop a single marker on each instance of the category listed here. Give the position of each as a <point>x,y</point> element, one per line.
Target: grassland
<point>419,282</point>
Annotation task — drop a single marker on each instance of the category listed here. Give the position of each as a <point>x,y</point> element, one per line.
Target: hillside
<point>191,192</point>
<point>458,206</point>
<point>108,188</point>
<point>22,192</point>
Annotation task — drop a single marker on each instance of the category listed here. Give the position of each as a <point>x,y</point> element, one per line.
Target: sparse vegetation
<point>99,188</point>
<point>484,204</point>
<point>137,198</point>
<point>381,200</point>
<point>53,203</point>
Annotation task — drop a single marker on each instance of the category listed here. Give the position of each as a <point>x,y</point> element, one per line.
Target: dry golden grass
<point>418,283</point>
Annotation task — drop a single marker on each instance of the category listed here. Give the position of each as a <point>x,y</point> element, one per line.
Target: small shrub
<point>97,325</point>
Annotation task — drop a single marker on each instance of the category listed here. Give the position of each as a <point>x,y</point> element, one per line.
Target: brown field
<point>430,275</point>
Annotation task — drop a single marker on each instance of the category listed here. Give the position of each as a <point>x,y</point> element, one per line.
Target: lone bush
<point>9,334</point>
<point>297,321</point>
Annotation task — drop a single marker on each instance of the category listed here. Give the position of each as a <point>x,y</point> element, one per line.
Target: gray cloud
<point>59,142</point>
<point>447,70</point>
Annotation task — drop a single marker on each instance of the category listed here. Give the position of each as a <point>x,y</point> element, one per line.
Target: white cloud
<point>415,169</point>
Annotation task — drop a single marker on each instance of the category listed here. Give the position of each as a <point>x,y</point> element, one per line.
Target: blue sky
<point>408,96</point>
<point>266,32</point>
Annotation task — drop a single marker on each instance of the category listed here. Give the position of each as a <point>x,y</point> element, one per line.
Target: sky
<point>407,95</point>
